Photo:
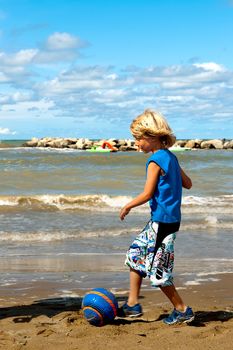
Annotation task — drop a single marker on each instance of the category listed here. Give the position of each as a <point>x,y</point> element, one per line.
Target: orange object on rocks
<point>107,144</point>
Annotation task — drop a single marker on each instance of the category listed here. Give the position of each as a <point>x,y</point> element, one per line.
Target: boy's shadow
<point>203,317</point>
<point>46,307</point>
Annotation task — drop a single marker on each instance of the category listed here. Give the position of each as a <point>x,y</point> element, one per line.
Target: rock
<point>180,143</point>
<point>80,144</point>
<point>72,141</point>
<point>99,143</point>
<point>114,141</point>
<point>131,143</point>
<point>33,143</point>
<point>84,143</point>
<point>64,144</point>
<point>56,143</point>
<point>42,143</point>
<point>88,144</point>
<point>193,143</point>
<point>228,144</point>
<point>206,144</point>
<point>217,144</point>
<point>121,143</point>
<point>72,146</point>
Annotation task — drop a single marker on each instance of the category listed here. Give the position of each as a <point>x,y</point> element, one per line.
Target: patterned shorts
<point>152,253</point>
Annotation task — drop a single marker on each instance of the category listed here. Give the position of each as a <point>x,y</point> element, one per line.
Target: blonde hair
<point>152,124</point>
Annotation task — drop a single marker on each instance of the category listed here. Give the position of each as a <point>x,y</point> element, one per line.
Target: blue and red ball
<point>99,306</point>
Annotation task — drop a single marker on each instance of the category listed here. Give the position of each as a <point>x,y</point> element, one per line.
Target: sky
<point>86,68</point>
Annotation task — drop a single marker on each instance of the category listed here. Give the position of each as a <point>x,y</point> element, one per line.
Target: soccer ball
<point>99,306</point>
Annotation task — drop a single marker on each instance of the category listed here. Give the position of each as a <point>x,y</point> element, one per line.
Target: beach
<point>40,322</point>
<point>61,236</point>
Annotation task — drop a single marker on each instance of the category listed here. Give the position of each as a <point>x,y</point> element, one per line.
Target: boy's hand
<point>124,211</point>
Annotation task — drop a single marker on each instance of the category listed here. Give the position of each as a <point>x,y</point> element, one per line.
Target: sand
<point>58,323</point>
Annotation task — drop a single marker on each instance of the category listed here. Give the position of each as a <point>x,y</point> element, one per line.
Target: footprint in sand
<point>45,332</point>
<point>211,331</point>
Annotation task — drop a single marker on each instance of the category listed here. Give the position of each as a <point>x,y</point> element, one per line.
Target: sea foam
<point>106,202</point>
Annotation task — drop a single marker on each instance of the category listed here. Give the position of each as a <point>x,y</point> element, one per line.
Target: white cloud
<point>53,57</point>
<point>59,47</point>
<point>34,84</point>
<point>179,90</point>
<point>6,131</point>
<point>112,76</point>
<point>3,78</point>
<point>63,41</point>
<point>41,105</point>
<point>20,58</point>
<point>15,97</point>
<point>210,66</point>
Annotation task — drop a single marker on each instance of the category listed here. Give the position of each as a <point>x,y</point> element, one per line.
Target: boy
<point>152,252</point>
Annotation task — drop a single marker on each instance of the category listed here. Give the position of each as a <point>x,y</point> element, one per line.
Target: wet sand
<point>39,321</point>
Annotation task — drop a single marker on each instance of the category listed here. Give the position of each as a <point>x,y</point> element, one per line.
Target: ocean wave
<point>222,200</point>
<point>43,236</point>
<point>104,202</point>
<point>64,202</point>
<point>207,225</point>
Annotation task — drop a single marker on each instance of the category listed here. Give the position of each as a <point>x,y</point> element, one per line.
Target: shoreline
<point>22,292</point>
<point>45,322</point>
<point>70,276</point>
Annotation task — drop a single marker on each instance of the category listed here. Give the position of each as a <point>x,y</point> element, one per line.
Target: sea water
<point>59,212</point>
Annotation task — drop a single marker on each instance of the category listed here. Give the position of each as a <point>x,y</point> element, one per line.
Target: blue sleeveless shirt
<point>166,201</point>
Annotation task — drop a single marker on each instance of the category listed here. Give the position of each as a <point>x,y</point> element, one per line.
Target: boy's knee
<point>140,273</point>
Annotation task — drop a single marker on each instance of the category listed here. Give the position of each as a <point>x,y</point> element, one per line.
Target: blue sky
<point>86,68</point>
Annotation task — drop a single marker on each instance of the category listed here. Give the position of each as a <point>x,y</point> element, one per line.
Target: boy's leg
<point>136,260</point>
<point>135,285</point>
<point>132,308</point>
<point>181,312</point>
<point>174,297</point>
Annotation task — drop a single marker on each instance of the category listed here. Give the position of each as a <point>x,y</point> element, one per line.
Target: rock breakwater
<point>122,144</point>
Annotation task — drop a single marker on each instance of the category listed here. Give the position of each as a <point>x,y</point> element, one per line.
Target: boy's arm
<point>186,181</point>
<point>153,173</point>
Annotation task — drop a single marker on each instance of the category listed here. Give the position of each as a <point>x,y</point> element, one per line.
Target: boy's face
<point>146,144</point>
